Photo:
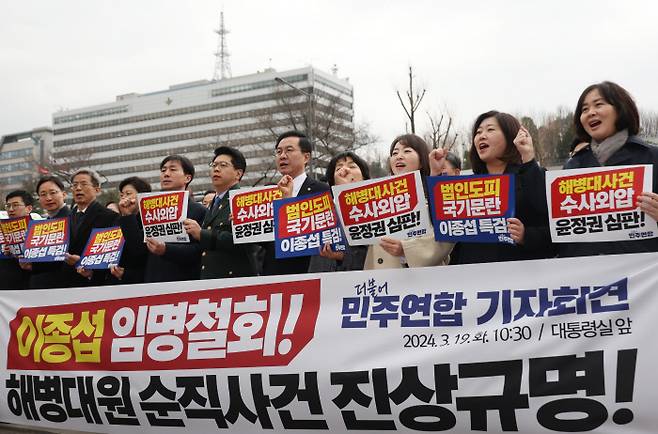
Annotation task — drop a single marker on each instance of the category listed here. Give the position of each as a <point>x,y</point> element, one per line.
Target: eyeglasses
<point>221,165</point>
<point>14,205</point>
<point>81,185</point>
<point>49,193</point>
<point>279,152</point>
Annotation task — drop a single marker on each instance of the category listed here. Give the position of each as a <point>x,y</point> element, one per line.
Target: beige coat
<point>419,252</point>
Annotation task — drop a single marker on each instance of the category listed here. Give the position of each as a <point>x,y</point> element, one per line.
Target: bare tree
<point>438,137</point>
<point>649,125</point>
<point>413,98</point>
<point>555,136</point>
<point>66,163</point>
<point>333,128</point>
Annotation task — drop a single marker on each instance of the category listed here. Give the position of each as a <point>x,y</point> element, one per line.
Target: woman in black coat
<point>607,118</point>
<point>344,168</point>
<point>500,145</point>
<point>133,259</point>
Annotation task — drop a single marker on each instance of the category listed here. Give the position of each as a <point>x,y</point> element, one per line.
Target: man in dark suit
<point>87,214</point>
<point>18,204</point>
<point>52,197</point>
<point>292,153</point>
<point>220,257</point>
<point>168,262</point>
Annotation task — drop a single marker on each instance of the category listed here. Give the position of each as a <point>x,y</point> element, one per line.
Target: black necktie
<point>77,219</point>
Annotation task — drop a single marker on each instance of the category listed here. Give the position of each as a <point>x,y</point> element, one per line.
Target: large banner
<point>599,204</point>
<point>393,206</point>
<point>252,213</point>
<point>162,215</point>
<point>472,208</point>
<point>561,345</point>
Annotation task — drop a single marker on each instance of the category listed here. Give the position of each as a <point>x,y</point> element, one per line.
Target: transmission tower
<point>222,63</point>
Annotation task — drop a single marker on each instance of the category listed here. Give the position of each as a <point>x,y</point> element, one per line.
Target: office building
<point>22,156</point>
<point>131,135</point>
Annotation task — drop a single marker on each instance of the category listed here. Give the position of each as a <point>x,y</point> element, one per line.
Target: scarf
<point>604,150</point>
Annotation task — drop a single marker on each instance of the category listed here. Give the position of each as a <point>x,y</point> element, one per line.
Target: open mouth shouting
<point>482,148</point>
<point>594,123</point>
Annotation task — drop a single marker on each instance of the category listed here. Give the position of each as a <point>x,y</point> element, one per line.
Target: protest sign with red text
<point>599,204</point>
<point>252,213</point>
<point>162,215</point>
<point>393,206</point>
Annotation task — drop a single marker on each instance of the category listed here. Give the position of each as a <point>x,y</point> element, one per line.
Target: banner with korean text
<point>304,224</point>
<point>472,208</point>
<point>162,215</point>
<point>3,255</point>
<point>252,213</point>
<point>47,240</point>
<point>393,206</point>
<point>599,204</point>
<point>532,347</point>
<point>13,232</point>
<point>103,249</point>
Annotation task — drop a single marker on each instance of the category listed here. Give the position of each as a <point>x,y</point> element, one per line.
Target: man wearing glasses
<point>221,258</point>
<point>18,204</point>
<point>292,153</point>
<point>87,214</point>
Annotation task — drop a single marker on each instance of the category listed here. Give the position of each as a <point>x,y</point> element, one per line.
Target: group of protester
<point>606,122</point>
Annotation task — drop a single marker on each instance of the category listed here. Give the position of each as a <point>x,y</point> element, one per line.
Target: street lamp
<point>311,120</point>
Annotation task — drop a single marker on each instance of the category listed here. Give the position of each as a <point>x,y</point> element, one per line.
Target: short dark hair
<point>509,125</point>
<point>185,164</point>
<point>453,159</point>
<point>91,173</point>
<point>209,192</point>
<point>331,168</point>
<point>237,158</point>
<point>49,178</point>
<point>304,143</point>
<point>628,117</point>
<point>28,200</point>
<point>139,184</point>
<point>417,144</point>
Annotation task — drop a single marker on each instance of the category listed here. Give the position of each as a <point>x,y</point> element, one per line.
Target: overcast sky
<point>471,56</point>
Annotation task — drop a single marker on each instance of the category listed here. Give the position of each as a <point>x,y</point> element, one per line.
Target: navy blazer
<point>221,257</point>
<point>181,261</point>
